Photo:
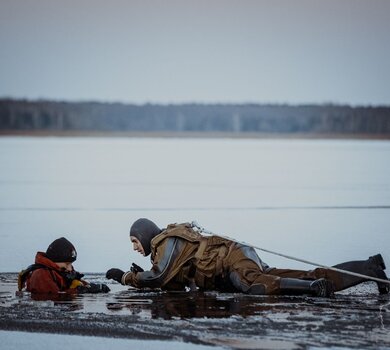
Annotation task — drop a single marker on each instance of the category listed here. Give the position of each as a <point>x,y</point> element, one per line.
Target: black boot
<point>372,267</point>
<point>377,260</point>
<point>319,288</point>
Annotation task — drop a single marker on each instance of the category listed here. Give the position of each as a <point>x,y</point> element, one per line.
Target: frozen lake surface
<point>357,318</point>
<point>324,201</point>
<point>35,341</point>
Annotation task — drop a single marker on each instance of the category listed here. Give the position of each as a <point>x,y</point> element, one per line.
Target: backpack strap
<point>22,276</point>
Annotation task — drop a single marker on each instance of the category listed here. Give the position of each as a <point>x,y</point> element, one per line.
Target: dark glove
<point>70,276</point>
<point>74,275</point>
<point>135,268</point>
<point>115,274</point>
<point>93,288</point>
<point>98,288</point>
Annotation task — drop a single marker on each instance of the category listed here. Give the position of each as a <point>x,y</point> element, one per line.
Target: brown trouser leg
<point>334,276</point>
<point>246,275</point>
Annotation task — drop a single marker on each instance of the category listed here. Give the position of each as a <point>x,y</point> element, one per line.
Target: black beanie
<point>61,250</point>
<point>145,230</point>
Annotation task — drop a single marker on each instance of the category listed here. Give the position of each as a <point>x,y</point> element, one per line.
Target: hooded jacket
<point>48,278</point>
<point>182,257</point>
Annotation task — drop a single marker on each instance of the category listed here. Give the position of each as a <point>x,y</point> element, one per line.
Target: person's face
<point>137,246</point>
<point>67,266</point>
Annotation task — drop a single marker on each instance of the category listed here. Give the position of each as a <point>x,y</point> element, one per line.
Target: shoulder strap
<point>183,231</point>
<point>22,276</point>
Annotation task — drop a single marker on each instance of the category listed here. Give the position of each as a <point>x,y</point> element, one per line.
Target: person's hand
<point>115,274</point>
<point>135,268</point>
<point>93,288</point>
<point>74,275</point>
<point>70,276</point>
<point>97,288</point>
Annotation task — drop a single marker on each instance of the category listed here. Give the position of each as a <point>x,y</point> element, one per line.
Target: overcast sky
<point>174,51</point>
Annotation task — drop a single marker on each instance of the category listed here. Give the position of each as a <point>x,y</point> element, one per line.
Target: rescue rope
<point>201,229</point>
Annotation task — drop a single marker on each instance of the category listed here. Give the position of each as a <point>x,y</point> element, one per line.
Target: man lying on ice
<point>181,257</point>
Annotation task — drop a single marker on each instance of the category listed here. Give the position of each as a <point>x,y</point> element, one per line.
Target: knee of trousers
<point>262,285</point>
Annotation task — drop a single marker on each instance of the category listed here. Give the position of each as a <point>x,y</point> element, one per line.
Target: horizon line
<point>194,102</point>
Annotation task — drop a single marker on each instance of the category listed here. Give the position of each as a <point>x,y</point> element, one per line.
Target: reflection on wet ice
<point>355,318</point>
<point>188,305</point>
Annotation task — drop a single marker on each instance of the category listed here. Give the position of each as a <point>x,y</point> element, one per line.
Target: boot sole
<point>324,288</point>
<point>383,288</point>
<point>378,260</point>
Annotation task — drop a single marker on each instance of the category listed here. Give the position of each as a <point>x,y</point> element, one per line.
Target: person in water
<point>53,272</point>
<point>183,258</point>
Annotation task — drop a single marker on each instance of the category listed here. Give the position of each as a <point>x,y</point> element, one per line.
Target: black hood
<point>145,230</point>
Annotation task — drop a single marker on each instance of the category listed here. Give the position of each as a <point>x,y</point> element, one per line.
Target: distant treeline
<point>232,118</point>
